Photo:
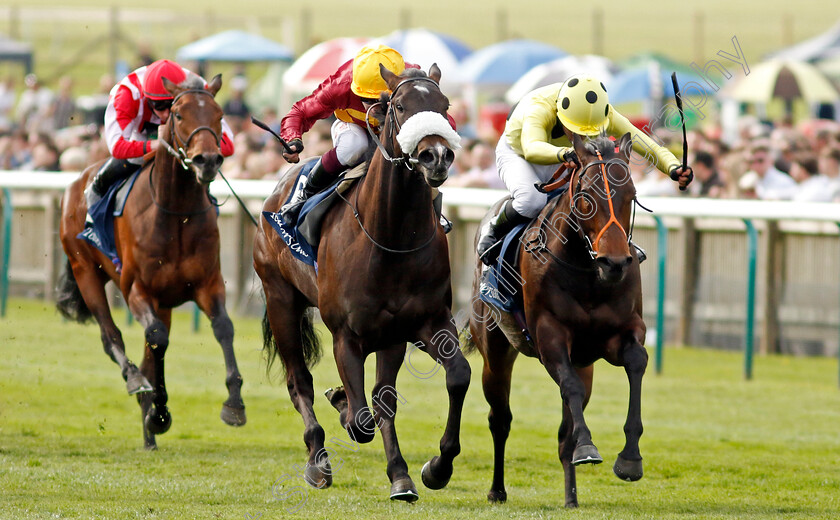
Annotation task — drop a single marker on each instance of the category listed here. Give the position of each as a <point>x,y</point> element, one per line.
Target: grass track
<point>715,446</point>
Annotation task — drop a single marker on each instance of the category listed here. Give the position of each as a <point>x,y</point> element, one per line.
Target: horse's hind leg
<point>92,287</point>
<point>566,441</point>
<point>355,415</point>
<point>212,303</point>
<point>153,410</point>
<point>440,340</point>
<point>495,379</point>
<point>628,465</point>
<point>284,320</point>
<point>384,400</point>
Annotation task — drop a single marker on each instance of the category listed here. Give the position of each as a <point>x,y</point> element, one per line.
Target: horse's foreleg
<point>634,357</point>
<point>355,415</point>
<point>212,303</point>
<point>384,400</point>
<point>554,345</point>
<point>153,410</point>
<point>156,418</point>
<point>566,441</point>
<point>92,287</point>
<point>440,340</point>
<point>495,380</point>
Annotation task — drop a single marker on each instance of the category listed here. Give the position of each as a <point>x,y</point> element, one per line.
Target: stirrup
<point>290,212</point>
<point>446,224</point>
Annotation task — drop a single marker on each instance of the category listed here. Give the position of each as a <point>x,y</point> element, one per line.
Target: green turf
<point>715,446</point>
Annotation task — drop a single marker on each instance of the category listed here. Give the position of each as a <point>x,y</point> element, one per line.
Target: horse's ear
<point>577,142</point>
<point>625,145</point>
<point>214,85</point>
<point>434,73</point>
<point>170,87</point>
<point>390,78</point>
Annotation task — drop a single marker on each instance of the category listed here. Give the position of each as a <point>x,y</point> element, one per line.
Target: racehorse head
<point>195,126</point>
<point>417,124</point>
<point>602,195</point>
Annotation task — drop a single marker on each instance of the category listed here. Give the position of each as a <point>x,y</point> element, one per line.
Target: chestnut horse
<point>383,279</point>
<point>582,299</point>
<point>168,242</point>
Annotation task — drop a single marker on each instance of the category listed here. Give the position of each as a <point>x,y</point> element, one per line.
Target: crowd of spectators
<point>46,130</point>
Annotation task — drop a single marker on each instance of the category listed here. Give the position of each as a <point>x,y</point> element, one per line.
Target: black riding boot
<point>318,179</point>
<point>495,230</point>
<point>112,171</point>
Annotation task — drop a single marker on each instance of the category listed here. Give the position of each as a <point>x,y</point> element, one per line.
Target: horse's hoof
<point>571,505</point>
<point>497,497</point>
<point>629,470</point>
<point>136,382</point>
<point>233,416</point>
<point>317,477</point>
<point>335,396</point>
<point>158,423</point>
<point>586,454</point>
<point>151,446</point>
<point>403,489</point>
<point>431,481</point>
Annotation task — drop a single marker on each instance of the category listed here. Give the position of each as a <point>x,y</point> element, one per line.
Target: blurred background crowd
<point>785,149</point>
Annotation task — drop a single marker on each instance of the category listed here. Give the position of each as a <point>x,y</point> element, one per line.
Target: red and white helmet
<point>153,79</point>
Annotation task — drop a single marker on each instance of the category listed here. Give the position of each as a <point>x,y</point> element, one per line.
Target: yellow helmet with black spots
<point>583,105</point>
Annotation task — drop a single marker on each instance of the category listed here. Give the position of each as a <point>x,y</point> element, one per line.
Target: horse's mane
<point>413,73</point>
<point>192,82</point>
<point>601,143</point>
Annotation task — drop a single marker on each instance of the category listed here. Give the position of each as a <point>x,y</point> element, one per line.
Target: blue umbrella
<point>504,63</point>
<point>234,46</point>
<point>642,84</point>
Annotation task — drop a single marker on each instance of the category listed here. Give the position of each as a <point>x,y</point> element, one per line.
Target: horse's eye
<point>398,107</point>
<point>177,115</point>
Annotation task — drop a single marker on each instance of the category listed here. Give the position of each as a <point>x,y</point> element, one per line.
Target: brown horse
<point>168,242</point>
<point>383,280</point>
<point>582,299</point>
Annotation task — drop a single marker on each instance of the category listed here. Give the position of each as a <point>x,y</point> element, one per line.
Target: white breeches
<point>520,176</point>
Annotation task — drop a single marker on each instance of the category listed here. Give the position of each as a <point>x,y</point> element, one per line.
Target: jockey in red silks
<point>348,93</point>
<point>137,106</point>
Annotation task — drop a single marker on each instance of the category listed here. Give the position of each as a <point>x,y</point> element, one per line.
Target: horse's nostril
<point>426,157</point>
<point>198,160</point>
<point>449,157</point>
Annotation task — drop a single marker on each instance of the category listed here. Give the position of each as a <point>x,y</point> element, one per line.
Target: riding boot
<point>640,253</point>
<point>318,179</point>
<point>495,230</point>
<point>112,171</point>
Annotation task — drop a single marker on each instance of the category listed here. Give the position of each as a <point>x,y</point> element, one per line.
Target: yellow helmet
<point>367,81</point>
<point>583,105</point>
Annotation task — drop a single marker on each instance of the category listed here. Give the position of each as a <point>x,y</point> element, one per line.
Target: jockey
<point>137,105</point>
<point>537,139</point>
<point>348,93</point>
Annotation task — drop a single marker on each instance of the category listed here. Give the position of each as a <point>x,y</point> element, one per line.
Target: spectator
<point>44,156</point>
<point>813,187</point>
<point>707,181</point>
<point>483,172</point>
<point>73,159</point>
<point>7,103</point>
<point>235,109</point>
<point>34,110</point>
<point>772,184</point>
<point>64,106</point>
<point>829,166</point>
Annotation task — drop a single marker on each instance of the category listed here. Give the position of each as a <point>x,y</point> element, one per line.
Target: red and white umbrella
<point>319,62</point>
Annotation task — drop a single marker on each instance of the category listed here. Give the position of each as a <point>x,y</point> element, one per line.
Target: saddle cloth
<point>99,228</point>
<point>304,236</point>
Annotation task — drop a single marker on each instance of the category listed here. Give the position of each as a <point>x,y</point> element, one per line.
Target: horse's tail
<point>465,338</point>
<point>309,339</point>
<point>69,301</point>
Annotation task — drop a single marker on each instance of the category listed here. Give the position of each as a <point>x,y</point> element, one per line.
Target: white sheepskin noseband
<point>423,124</point>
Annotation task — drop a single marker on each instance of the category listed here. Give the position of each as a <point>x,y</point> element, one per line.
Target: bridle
<point>180,152</point>
<point>405,159</point>
<point>574,188</point>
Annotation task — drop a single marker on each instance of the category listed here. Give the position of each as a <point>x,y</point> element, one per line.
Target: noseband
<point>405,159</point>
<point>180,152</point>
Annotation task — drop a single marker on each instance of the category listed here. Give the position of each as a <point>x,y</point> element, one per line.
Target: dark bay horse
<point>168,242</point>
<point>582,297</point>
<point>383,279</point>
